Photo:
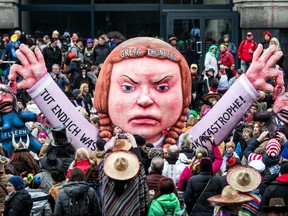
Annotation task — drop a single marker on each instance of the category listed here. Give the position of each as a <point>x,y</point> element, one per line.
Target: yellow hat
<point>194,66</point>
<point>14,37</point>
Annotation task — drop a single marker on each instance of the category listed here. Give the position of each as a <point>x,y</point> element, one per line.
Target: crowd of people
<point>247,174</point>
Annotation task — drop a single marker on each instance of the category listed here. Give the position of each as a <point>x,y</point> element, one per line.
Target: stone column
<point>9,14</point>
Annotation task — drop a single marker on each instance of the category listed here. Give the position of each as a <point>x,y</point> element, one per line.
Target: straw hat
<point>121,165</point>
<point>122,144</point>
<point>243,178</point>
<point>210,95</point>
<point>229,196</point>
<point>276,204</point>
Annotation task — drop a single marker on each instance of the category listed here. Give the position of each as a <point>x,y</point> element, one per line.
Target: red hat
<point>71,55</point>
<point>273,148</point>
<point>254,156</point>
<point>267,33</point>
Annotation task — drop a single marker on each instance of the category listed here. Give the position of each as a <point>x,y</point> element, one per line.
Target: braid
<point>176,129</point>
<point>106,129</point>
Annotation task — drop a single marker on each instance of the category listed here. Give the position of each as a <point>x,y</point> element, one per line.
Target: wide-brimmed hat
<point>210,95</point>
<point>60,136</point>
<point>50,161</point>
<point>122,144</point>
<point>276,204</point>
<point>121,165</point>
<point>229,196</point>
<point>243,178</point>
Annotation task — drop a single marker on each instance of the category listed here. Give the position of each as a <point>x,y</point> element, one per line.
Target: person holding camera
<point>60,79</point>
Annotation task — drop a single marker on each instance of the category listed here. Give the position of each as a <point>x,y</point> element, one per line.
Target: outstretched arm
<point>50,99</point>
<point>231,108</point>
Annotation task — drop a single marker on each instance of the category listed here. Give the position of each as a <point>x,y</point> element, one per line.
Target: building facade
<point>198,23</point>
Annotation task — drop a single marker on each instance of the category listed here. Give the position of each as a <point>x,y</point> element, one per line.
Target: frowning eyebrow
<point>130,79</point>
<point>159,81</point>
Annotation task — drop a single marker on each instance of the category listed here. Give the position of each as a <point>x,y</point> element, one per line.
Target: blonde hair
<point>277,43</point>
<point>230,144</point>
<point>81,154</point>
<point>82,86</point>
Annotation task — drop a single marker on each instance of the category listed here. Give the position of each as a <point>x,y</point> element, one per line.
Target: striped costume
<point>134,200</point>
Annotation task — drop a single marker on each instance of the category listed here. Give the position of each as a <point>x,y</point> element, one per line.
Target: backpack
<point>168,211</point>
<point>79,205</point>
<point>38,212</point>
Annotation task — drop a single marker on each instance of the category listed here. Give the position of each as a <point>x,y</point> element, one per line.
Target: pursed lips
<point>144,119</point>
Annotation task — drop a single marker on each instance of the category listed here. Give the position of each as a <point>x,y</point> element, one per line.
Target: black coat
<point>100,53</point>
<point>52,56</point>
<point>277,189</point>
<point>194,189</point>
<point>19,203</point>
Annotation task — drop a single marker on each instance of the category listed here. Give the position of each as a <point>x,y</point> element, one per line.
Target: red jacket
<point>243,50</point>
<point>226,58</point>
<point>83,165</point>
<point>186,174</point>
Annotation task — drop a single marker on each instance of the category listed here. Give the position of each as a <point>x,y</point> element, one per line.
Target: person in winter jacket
<point>101,51</point>
<point>59,180</point>
<point>155,174</point>
<point>230,152</point>
<point>75,188</point>
<point>267,37</point>
<point>166,203</point>
<point>82,161</point>
<point>41,206</point>
<point>173,167</point>
<point>230,45</point>
<point>18,202</point>
<point>211,59</point>
<point>200,188</point>
<point>226,58</point>
<point>200,152</point>
<point>246,50</point>
<point>52,54</point>
<point>278,188</point>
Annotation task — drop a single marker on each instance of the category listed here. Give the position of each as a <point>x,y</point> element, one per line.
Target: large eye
<point>127,88</point>
<point>162,88</point>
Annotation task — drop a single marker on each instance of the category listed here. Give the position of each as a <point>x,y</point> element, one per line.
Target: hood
<point>168,200</point>
<point>270,161</point>
<point>183,158</point>
<point>171,160</point>
<point>75,188</point>
<point>283,178</point>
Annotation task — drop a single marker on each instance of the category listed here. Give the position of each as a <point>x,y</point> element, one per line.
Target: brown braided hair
<point>103,83</point>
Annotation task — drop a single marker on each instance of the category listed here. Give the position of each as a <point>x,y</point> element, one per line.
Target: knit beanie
<point>285,152</point>
<point>17,182</point>
<point>254,156</point>
<point>273,148</point>
<point>75,92</point>
<point>42,134</point>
